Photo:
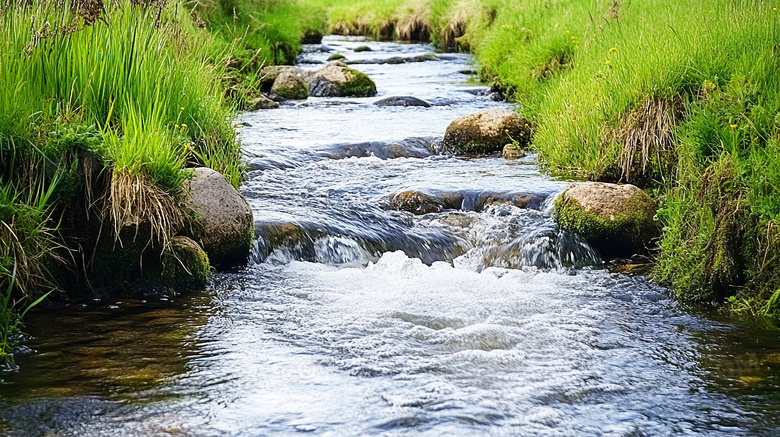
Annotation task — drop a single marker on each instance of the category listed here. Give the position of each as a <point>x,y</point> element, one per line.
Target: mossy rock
<point>425,57</point>
<point>135,265</point>
<point>487,132</point>
<point>336,80</point>
<point>359,85</point>
<point>617,220</point>
<point>185,262</point>
<point>268,75</point>
<point>337,57</point>
<point>290,86</point>
<point>362,49</point>
<point>262,102</point>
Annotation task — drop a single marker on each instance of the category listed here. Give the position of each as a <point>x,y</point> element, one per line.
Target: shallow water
<point>355,320</point>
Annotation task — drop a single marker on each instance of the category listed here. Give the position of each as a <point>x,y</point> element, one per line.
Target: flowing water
<point>357,320</point>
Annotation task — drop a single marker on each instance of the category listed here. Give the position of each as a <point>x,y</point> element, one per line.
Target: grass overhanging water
<point>97,92</point>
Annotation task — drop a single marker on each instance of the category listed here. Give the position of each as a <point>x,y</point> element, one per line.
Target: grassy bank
<point>680,98</point>
<point>103,108</point>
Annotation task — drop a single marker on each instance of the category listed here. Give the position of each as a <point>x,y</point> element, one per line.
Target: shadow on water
<point>91,358</point>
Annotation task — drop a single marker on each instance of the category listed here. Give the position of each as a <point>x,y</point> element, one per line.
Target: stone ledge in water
<point>415,147</point>
<point>402,101</point>
<point>486,132</point>
<point>397,60</point>
<point>224,219</point>
<point>352,243</point>
<point>419,203</point>
<point>615,219</point>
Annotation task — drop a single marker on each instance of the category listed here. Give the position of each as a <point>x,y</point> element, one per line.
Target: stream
<point>356,320</point>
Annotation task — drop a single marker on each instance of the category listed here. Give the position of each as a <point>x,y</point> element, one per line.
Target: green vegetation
<point>681,98</point>
<point>102,109</point>
<point>358,84</point>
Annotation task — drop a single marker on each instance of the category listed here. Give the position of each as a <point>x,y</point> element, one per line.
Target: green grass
<point>139,88</point>
<point>681,98</point>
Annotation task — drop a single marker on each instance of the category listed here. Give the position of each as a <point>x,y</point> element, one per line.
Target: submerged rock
<point>392,61</point>
<point>487,132</point>
<point>397,59</point>
<point>290,85</point>
<point>415,202</point>
<point>336,80</point>
<point>224,219</point>
<point>415,147</point>
<point>512,152</point>
<point>402,101</point>
<point>615,219</point>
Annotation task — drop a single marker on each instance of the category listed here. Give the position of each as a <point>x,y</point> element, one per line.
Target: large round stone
<point>225,226</point>
<point>617,220</point>
<point>268,75</point>
<point>336,80</point>
<point>486,132</point>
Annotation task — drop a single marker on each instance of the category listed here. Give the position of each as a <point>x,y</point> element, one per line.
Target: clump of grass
<point>147,171</point>
<point>645,136</point>
<point>415,25</point>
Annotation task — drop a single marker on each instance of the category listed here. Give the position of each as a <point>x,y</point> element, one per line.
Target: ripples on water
<point>355,320</point>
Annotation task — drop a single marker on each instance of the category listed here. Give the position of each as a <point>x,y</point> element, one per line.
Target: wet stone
<point>486,132</point>
<point>402,101</point>
<point>419,203</point>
